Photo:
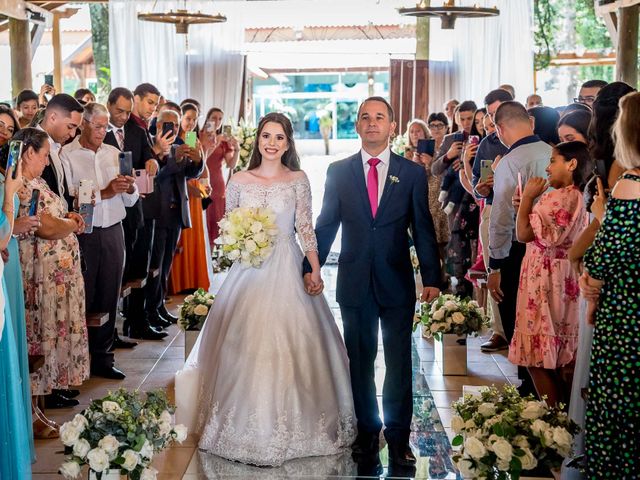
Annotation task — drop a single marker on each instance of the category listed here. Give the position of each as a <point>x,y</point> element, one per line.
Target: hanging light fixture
<point>181,18</point>
<point>448,12</point>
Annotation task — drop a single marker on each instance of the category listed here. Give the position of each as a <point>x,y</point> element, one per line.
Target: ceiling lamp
<point>448,12</point>
<point>182,18</point>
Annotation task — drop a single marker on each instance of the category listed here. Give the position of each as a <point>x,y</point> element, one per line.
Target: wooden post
<point>627,51</point>
<point>20,43</point>
<point>57,53</point>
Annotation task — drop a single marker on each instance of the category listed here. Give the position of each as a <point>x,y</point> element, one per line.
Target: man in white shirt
<point>103,250</point>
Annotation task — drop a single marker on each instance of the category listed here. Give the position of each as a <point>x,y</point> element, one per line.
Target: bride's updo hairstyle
<point>290,159</point>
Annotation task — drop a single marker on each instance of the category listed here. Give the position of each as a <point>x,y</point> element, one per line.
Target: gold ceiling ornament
<point>182,18</point>
<point>448,12</point>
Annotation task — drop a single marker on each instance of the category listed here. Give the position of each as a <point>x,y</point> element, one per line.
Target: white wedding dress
<point>268,379</point>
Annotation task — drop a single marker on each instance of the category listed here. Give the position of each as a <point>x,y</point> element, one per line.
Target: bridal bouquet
<point>245,133</point>
<point>193,312</point>
<point>247,235</point>
<point>450,314</point>
<point>502,434</point>
<point>122,432</point>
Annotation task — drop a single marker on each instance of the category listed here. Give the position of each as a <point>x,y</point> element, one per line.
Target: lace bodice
<point>291,201</point>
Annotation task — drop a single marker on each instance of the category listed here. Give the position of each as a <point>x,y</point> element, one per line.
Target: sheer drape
<point>206,64</point>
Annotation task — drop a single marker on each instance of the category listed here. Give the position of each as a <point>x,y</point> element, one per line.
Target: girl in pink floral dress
<point>546,331</point>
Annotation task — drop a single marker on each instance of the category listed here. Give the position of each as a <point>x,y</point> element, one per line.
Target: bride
<point>268,378</point>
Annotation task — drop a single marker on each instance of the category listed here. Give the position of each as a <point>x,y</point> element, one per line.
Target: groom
<point>377,196</point>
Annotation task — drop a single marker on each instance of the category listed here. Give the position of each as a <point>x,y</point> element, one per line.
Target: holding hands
<point>313,283</point>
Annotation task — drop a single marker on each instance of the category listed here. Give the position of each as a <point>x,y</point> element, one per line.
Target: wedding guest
<point>221,151</point>
<point>449,110</point>
<point>16,436</point>
<point>88,158</point>
<point>589,91</point>
<point>614,387</point>
<point>27,105</point>
<point>575,107</point>
<point>574,127</point>
<point>546,330</point>
<point>545,124</point>
<point>8,124</point>
<point>489,126</point>
<point>508,88</point>
<point>84,96</point>
<point>534,100</point>
<point>52,281</point>
<point>478,123</point>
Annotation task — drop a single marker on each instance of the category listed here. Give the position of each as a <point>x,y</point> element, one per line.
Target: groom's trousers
<point>361,339</point>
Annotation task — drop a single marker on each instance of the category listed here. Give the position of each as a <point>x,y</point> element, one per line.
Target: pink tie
<point>372,184</point>
<point>120,138</point>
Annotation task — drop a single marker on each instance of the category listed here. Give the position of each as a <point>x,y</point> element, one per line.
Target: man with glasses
<point>588,92</point>
<point>103,251</point>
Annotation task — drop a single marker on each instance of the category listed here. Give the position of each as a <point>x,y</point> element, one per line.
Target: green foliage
<point>100,39</point>
<point>546,27</point>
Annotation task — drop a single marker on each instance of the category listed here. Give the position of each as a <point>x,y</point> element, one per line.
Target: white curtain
<point>206,64</point>
<point>481,54</point>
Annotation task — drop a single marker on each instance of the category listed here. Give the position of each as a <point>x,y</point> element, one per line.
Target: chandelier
<point>448,12</point>
<point>181,18</point>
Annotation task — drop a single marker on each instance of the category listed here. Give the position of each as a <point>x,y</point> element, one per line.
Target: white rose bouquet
<point>247,235</point>
<point>122,432</point>
<point>451,314</point>
<point>503,434</point>
<point>399,144</point>
<point>193,312</point>
<point>245,134</point>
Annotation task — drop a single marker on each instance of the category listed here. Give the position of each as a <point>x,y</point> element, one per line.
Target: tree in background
<point>100,39</point>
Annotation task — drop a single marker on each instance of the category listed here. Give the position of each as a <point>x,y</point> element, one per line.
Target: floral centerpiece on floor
<point>193,312</point>
<point>502,434</point>
<point>245,134</point>
<point>451,314</point>
<point>122,432</point>
<point>247,235</point>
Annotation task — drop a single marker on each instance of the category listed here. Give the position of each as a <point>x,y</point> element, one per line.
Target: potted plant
<point>449,319</point>
<point>118,435</point>
<point>191,316</point>
<point>503,436</point>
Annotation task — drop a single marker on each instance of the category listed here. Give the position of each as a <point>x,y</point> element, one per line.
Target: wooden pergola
<point>621,19</point>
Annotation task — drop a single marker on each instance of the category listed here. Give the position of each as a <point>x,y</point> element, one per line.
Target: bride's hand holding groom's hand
<point>313,283</point>
<point>429,294</point>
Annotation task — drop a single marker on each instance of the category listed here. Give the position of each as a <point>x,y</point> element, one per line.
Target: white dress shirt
<point>383,168</point>
<point>56,163</point>
<point>100,167</point>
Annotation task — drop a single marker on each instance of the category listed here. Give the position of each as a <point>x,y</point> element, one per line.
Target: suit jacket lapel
<point>361,183</point>
<point>389,185</point>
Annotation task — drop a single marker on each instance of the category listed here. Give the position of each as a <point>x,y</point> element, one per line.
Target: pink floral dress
<point>54,301</point>
<point>546,331</point>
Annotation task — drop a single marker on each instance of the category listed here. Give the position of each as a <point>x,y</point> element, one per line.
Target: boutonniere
<point>394,179</point>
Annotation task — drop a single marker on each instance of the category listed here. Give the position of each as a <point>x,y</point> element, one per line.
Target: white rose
<point>260,237</point>
<point>111,407</point>
<point>180,432</point>
<point>70,470</point>
<point>149,474</point>
<point>487,409</point>
<point>233,255</point>
<point>439,315</point>
<point>251,246</point>
<point>147,450</point>
<point>458,318</point>
<point>450,305</point>
<point>538,427</point>
<point>474,448</point>
<point>81,448</point>
<point>474,304</point>
<point>201,310</point>
<point>547,436</point>
<point>470,424</point>
<point>457,424</point>
<point>563,439</point>
<point>210,301</point>
<point>503,449</point>
<point>110,445</point>
<point>528,461</point>
<point>503,465</point>
<point>256,227</point>
<point>98,460</point>
<point>521,441</point>
<point>188,298</point>
<point>465,465</point>
<point>533,410</point>
<point>164,428</point>
<point>165,416</point>
<point>434,327</point>
<point>131,459</point>
<point>80,422</point>
<point>69,434</point>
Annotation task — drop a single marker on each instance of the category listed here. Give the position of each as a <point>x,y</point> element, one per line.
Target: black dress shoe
<point>159,322</point>
<point>400,454</point>
<point>56,400</point>
<point>370,466</point>
<point>108,372</point>
<point>398,471</point>
<point>69,393</point>
<point>119,343</point>
<point>367,445</point>
<point>148,333</point>
<point>165,315</point>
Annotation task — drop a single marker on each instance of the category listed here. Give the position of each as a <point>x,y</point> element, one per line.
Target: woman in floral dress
<point>53,284</point>
<point>547,314</point>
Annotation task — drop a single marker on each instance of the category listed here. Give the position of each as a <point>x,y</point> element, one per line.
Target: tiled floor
<point>153,364</point>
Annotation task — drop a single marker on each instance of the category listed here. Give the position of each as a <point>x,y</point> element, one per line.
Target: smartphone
<point>15,153</point>
<point>144,181</point>
<point>86,212</point>
<point>33,203</point>
<point>48,79</point>
<point>474,139</point>
<point>427,146</point>
<point>190,139</point>
<point>126,163</point>
<point>167,127</point>
<point>85,192</point>
<point>458,137</point>
<point>226,130</point>
<point>601,172</point>
<point>519,184</point>
<point>485,170</point>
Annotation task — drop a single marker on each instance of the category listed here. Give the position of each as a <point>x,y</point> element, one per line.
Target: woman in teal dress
<point>16,436</point>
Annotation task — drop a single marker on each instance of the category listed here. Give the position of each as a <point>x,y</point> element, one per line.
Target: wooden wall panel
<point>409,90</point>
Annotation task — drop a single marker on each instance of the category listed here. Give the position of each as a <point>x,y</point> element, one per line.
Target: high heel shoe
<point>43,428</point>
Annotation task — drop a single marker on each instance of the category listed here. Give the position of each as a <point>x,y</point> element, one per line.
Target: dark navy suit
<point>376,281</point>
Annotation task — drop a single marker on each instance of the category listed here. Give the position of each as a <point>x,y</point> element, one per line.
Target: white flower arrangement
<point>121,432</point>
<point>451,314</point>
<point>503,434</point>
<point>193,312</point>
<point>399,144</point>
<point>247,235</point>
<point>415,263</point>
<point>245,134</point>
